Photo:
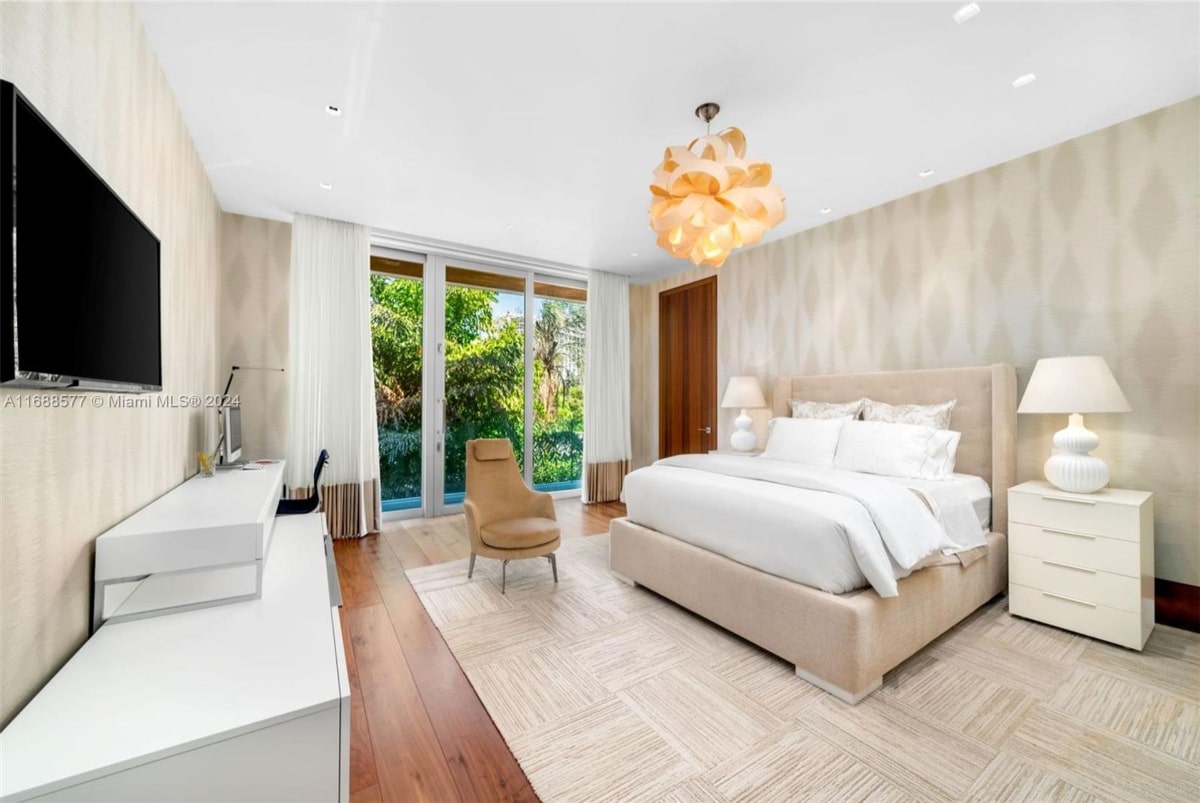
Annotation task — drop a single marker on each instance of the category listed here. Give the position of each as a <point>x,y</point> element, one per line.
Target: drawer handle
<point>1068,532</point>
<point>1068,499</point>
<point>1068,599</point>
<point>1069,566</point>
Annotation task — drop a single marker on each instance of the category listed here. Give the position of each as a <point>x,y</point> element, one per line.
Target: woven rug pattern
<point>610,693</point>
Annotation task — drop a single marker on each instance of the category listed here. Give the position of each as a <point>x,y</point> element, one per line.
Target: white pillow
<point>810,441</point>
<point>897,450</point>
<point>943,453</point>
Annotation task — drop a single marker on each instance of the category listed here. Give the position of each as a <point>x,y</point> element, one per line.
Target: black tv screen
<point>83,270</point>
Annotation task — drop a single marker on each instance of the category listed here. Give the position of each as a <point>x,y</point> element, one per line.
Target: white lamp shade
<point>743,392</point>
<point>1073,385</point>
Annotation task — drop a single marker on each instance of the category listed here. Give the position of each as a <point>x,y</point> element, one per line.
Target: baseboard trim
<point>1177,604</point>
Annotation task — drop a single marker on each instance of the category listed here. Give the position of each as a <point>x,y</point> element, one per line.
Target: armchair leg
<point>471,566</point>
<point>503,574</point>
<point>553,565</point>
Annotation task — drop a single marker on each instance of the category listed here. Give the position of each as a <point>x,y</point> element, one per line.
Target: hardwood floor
<point>418,732</point>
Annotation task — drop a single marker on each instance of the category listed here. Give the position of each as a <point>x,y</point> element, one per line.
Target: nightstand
<point>1083,562</point>
<point>735,453</point>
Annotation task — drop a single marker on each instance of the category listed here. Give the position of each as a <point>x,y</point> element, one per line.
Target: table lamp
<point>1074,385</point>
<point>743,392</point>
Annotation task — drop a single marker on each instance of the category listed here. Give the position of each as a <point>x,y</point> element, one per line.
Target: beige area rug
<point>606,692</point>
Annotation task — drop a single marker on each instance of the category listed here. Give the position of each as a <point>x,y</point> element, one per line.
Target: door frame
<point>435,256</point>
<point>662,372</point>
<point>427,280</point>
<point>435,311</point>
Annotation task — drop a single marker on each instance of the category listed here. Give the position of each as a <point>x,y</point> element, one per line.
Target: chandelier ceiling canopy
<point>708,199</point>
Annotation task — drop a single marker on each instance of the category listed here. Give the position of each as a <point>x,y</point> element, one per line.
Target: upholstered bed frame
<point>844,643</point>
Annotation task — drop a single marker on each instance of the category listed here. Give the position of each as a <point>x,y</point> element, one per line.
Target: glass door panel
<point>484,368</point>
<point>560,321</point>
<point>397,315</point>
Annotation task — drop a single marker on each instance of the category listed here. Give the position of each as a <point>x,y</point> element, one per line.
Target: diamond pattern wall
<point>1087,247</point>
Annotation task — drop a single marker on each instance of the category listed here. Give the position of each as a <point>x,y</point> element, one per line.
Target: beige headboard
<point>985,413</point>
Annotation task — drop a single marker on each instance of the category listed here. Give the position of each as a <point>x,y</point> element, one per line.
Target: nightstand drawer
<point>1071,580</point>
<point>1098,621</point>
<point>1079,549</point>
<point>1072,513</point>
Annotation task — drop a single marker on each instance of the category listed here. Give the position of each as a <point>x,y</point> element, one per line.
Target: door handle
<point>439,423</point>
<point>706,430</point>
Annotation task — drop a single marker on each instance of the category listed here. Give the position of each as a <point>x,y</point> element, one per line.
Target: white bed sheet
<point>978,492</point>
<point>806,536</point>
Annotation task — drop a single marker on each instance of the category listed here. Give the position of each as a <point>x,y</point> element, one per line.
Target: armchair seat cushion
<point>519,533</point>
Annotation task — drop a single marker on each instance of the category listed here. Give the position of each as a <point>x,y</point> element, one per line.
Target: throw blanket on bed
<point>899,525</point>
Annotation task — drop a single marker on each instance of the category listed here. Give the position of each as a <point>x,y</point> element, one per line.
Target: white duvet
<point>826,528</point>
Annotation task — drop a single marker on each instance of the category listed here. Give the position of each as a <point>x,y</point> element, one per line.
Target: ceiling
<point>533,128</point>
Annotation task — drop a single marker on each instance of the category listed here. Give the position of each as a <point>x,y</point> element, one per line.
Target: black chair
<point>290,507</point>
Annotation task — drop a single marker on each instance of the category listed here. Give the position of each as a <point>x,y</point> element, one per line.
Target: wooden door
<point>687,368</point>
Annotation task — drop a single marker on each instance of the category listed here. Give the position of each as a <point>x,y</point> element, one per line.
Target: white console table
<point>248,701</point>
<point>202,543</point>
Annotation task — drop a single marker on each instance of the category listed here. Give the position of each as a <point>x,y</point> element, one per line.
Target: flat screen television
<point>79,280</point>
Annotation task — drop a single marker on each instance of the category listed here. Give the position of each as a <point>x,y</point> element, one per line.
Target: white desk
<point>201,543</point>
<point>247,701</point>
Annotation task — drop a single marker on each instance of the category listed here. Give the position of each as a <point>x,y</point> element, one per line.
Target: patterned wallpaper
<point>68,475</point>
<point>1087,247</point>
<point>255,266</point>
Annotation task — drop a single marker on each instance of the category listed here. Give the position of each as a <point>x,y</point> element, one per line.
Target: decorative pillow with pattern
<point>926,415</point>
<point>815,409</point>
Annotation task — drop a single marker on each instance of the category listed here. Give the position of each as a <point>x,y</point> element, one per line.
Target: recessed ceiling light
<point>325,185</point>
<point>633,254</point>
<point>333,111</point>
<point>1025,80</point>
<point>926,173</point>
<point>825,210</point>
<point>966,12</point>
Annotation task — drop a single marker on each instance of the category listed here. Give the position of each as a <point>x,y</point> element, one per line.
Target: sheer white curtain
<point>607,448</point>
<point>332,383</point>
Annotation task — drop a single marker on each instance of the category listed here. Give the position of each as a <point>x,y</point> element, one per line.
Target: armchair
<point>505,519</point>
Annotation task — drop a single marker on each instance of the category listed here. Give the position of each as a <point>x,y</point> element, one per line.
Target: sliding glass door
<point>397,336</point>
<point>469,350</point>
<point>559,326</point>
<point>484,368</point>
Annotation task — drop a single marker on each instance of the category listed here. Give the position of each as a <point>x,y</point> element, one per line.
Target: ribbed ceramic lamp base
<point>1081,474</point>
<point>1071,468</point>
<point>743,438</point>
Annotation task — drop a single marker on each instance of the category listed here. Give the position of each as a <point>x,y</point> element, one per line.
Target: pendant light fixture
<point>708,199</point>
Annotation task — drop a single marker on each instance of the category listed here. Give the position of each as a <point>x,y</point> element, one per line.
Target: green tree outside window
<point>485,365</point>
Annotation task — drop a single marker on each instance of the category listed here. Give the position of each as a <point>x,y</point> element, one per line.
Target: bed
<point>845,642</point>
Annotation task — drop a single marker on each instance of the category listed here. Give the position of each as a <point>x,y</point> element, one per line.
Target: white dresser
<point>1083,562</point>
<point>243,702</point>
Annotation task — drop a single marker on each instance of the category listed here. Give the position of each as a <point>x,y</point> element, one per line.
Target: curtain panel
<point>331,375</point>
<point>607,448</point>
